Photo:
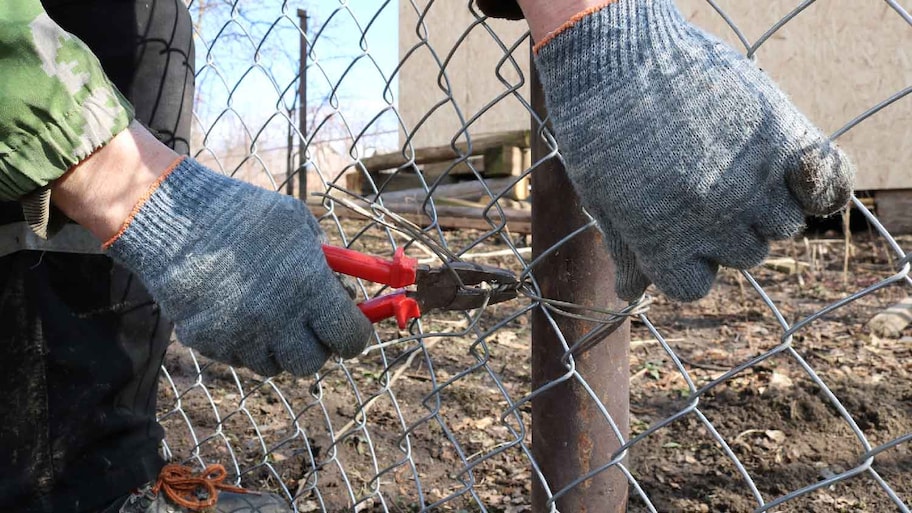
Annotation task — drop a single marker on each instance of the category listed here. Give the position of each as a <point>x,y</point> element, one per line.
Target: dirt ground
<point>444,425</point>
<point>775,417</point>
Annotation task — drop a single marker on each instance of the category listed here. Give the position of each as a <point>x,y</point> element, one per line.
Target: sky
<point>247,61</point>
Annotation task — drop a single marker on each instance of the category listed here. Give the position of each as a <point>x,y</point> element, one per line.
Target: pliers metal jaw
<point>463,286</point>
<point>452,286</point>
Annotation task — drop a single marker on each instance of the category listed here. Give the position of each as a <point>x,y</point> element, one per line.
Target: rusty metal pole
<point>302,108</point>
<point>570,436</point>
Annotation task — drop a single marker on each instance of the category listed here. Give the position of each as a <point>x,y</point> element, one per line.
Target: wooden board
<point>443,153</point>
<point>470,189</point>
<point>448,216</point>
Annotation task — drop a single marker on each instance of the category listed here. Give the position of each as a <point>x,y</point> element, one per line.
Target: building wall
<point>836,60</point>
<point>471,73</point>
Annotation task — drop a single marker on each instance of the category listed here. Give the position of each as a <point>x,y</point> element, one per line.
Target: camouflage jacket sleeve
<point>56,104</point>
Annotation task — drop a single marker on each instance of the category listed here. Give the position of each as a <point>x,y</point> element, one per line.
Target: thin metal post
<point>570,436</point>
<point>302,106</point>
<point>289,158</point>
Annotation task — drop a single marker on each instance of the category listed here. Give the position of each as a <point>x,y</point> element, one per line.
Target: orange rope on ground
<point>180,484</point>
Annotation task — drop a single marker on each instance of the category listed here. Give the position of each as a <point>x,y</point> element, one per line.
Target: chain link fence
<point>772,394</point>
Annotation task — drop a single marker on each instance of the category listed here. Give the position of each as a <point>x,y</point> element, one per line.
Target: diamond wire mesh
<point>768,395</point>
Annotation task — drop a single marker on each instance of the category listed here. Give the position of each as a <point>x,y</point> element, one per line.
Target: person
<point>83,342</point>
<point>684,152</point>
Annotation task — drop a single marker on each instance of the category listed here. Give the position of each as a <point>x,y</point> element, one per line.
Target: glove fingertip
<point>689,282</point>
<point>630,283</point>
<point>301,353</point>
<point>822,178</point>
<point>355,334</point>
<point>262,363</point>
<point>339,323</point>
<point>266,367</point>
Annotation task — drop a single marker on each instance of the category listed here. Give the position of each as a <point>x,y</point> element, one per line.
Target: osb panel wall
<point>471,69</point>
<point>836,59</point>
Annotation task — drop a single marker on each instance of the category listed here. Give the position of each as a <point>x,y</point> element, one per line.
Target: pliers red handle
<point>453,286</point>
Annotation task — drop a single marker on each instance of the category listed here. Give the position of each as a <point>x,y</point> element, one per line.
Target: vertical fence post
<point>289,156</point>
<point>569,434</point>
<point>302,108</point>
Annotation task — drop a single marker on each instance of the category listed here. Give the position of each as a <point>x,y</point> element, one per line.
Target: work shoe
<point>178,490</point>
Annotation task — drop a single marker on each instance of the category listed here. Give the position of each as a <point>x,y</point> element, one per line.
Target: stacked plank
<point>457,198</point>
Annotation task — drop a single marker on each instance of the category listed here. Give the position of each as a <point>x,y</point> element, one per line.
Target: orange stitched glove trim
<point>569,23</point>
<point>142,201</point>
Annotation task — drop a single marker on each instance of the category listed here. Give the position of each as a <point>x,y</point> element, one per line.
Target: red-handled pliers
<point>453,286</point>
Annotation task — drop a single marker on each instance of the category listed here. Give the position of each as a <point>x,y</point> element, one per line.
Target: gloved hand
<point>241,272</point>
<point>687,154</point>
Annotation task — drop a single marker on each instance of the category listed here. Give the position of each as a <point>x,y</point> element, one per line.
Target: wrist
<point>547,17</point>
<point>187,202</point>
<point>100,192</point>
<point>608,47</point>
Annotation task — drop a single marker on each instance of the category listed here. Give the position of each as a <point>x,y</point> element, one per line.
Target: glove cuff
<point>171,215</point>
<point>612,39</point>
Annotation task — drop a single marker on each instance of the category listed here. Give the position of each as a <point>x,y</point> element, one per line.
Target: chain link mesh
<point>770,394</point>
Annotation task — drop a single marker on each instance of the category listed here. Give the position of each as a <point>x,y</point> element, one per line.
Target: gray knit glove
<point>241,272</point>
<point>685,152</point>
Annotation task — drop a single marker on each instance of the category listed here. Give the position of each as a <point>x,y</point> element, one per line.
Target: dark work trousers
<point>81,342</point>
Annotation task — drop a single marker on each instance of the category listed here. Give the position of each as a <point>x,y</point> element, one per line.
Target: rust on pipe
<point>570,436</point>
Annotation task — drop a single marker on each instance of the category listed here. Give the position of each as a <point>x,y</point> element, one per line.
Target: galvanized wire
<point>438,416</point>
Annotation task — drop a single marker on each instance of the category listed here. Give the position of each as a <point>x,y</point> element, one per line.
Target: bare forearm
<point>100,192</point>
<point>547,16</point>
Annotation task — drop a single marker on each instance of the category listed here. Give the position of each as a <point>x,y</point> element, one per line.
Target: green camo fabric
<point>56,104</point>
